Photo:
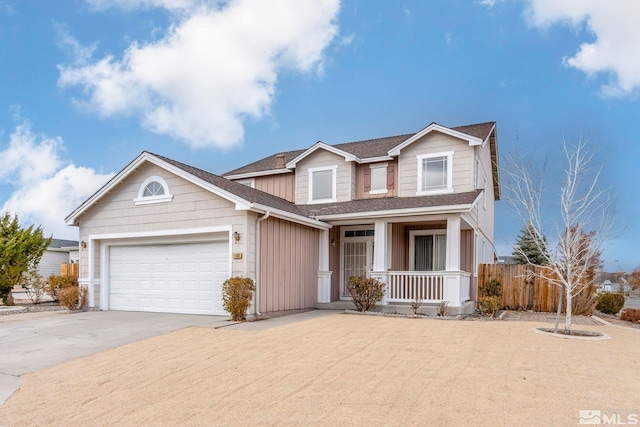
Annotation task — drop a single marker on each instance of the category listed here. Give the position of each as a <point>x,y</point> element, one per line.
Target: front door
<point>356,260</point>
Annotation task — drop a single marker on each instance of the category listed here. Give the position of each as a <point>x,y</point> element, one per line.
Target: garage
<point>169,278</point>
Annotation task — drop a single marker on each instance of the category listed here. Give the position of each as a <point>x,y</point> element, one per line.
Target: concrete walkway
<point>526,316</point>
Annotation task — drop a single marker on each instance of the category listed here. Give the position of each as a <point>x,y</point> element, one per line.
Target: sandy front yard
<point>340,370</point>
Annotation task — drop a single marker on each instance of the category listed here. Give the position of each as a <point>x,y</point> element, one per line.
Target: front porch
<point>423,259</point>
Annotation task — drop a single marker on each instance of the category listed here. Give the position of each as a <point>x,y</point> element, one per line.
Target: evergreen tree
<point>529,250</point>
<point>20,251</point>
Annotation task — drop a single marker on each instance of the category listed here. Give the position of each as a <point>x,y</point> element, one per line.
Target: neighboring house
<point>58,252</point>
<point>415,210</point>
<point>607,286</point>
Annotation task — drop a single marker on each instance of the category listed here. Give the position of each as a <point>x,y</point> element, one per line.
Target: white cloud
<point>614,24</point>
<point>81,55</point>
<point>217,66</point>
<point>45,187</point>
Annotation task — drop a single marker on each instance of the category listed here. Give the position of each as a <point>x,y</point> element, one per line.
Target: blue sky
<point>86,85</point>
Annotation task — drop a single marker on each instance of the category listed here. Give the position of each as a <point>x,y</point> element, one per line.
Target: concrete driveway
<point>30,343</point>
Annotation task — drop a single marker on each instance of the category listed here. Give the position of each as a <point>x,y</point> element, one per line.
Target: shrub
<point>73,297</point>
<point>55,283</point>
<point>610,303</point>
<point>490,299</point>
<point>35,286</point>
<point>415,305</point>
<point>365,292</point>
<point>443,308</point>
<point>631,315</point>
<point>237,293</point>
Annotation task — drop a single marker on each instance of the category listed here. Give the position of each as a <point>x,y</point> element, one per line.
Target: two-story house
<point>415,211</point>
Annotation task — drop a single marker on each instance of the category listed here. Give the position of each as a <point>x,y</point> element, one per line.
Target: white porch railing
<point>407,286</point>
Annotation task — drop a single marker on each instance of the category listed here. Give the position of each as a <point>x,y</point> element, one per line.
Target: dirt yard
<point>340,370</point>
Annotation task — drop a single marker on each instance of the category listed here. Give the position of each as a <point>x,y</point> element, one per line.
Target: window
<point>153,190</point>
<point>378,179</point>
<point>427,250</point>
<point>435,173</point>
<point>248,182</point>
<point>322,184</point>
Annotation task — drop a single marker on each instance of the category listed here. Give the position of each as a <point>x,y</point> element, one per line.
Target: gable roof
<point>244,197</point>
<point>61,243</point>
<point>360,151</point>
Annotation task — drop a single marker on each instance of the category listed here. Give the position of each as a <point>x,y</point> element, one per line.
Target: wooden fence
<point>522,287</point>
<point>67,269</point>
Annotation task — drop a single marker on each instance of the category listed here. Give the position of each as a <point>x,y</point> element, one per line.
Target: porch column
<point>380,266</point>
<point>453,244</point>
<point>324,275</point>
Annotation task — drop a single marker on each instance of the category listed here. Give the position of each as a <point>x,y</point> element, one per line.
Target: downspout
<point>262,218</point>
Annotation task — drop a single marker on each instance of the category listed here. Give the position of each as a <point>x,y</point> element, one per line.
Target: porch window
<point>322,184</point>
<point>435,173</point>
<point>427,250</point>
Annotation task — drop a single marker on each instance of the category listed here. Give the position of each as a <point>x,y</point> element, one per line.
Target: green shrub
<point>55,283</point>
<point>492,288</point>
<point>72,297</point>
<point>631,315</point>
<point>365,292</point>
<point>237,293</point>
<point>610,303</point>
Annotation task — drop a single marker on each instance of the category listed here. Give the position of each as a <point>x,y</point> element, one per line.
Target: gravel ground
<point>340,370</point>
<point>30,307</point>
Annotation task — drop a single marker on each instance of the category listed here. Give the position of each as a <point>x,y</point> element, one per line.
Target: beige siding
<point>281,185</point>
<point>345,178</point>
<point>289,255</point>
<point>435,142</point>
<point>191,207</point>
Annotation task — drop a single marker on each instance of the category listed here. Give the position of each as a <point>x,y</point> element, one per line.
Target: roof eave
<point>434,210</point>
<point>472,140</point>
<point>321,145</point>
<point>289,216</point>
<point>257,174</point>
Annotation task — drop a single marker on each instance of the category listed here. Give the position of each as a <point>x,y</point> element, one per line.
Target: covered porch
<point>427,259</point>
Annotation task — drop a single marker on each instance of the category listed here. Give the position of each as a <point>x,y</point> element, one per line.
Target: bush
<point>35,286</point>
<point>490,299</point>
<point>72,297</point>
<point>365,292</point>
<point>55,283</point>
<point>610,303</point>
<point>237,293</point>
<point>631,315</point>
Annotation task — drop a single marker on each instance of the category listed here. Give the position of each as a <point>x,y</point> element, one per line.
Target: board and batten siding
<point>345,175</point>
<point>289,256</point>
<point>280,185</point>
<point>392,187</point>
<point>435,142</point>
<point>192,207</point>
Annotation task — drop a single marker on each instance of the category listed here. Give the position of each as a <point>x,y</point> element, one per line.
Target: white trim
<point>369,240</point>
<point>380,190</point>
<point>249,182</point>
<point>256,207</point>
<point>147,200</point>
<point>321,145</point>
<point>472,140</point>
<point>256,174</point>
<point>420,165</point>
<point>412,244</point>
<point>375,159</point>
<point>334,170</point>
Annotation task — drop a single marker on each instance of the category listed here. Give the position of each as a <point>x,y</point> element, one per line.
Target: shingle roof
<point>247,193</point>
<point>369,148</point>
<point>61,243</point>
<point>390,203</point>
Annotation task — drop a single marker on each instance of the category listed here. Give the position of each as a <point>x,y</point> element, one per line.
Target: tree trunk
<point>555,329</point>
<point>567,321</point>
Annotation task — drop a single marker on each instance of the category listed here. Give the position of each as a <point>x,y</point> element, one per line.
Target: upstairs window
<point>153,190</point>
<point>322,184</point>
<point>378,178</point>
<point>435,173</point>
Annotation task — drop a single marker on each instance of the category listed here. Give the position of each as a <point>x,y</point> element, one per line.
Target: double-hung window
<point>322,184</point>
<point>435,173</point>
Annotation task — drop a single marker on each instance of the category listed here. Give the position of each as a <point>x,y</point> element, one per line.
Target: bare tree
<point>580,228</point>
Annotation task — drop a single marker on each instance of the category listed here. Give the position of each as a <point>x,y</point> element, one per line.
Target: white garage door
<point>175,278</point>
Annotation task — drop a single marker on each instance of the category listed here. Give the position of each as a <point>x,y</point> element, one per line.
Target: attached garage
<point>169,278</point>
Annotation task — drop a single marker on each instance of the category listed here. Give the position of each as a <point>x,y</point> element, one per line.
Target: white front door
<point>357,255</point>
